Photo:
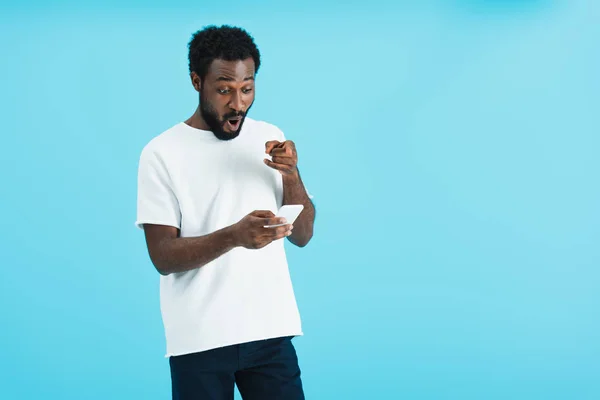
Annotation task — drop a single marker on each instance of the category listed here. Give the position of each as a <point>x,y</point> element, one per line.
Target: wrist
<point>292,178</point>
<point>231,236</point>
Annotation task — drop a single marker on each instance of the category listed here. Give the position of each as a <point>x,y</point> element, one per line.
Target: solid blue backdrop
<point>452,148</point>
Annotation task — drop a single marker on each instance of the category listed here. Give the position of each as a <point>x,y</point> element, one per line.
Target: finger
<point>278,237</point>
<point>262,214</point>
<point>274,221</point>
<point>270,145</point>
<point>282,151</point>
<point>284,160</point>
<point>274,234</point>
<point>279,167</point>
<point>282,232</point>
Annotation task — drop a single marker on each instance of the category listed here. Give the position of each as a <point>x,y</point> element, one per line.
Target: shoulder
<point>162,143</point>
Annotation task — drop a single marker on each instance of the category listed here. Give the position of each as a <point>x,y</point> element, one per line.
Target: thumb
<point>262,214</point>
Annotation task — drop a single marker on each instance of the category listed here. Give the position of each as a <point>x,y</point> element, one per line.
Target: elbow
<point>161,266</point>
<point>161,269</point>
<point>304,240</point>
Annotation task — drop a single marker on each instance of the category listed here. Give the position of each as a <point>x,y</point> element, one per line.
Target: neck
<point>196,121</point>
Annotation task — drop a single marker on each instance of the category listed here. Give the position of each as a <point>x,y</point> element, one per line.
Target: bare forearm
<point>295,193</point>
<point>185,254</point>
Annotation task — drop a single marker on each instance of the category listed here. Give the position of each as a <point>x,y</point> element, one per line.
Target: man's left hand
<point>283,155</point>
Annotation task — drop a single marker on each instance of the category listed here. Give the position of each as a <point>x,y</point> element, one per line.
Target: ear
<point>196,81</point>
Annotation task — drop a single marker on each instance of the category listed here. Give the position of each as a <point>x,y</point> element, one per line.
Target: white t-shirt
<point>191,180</point>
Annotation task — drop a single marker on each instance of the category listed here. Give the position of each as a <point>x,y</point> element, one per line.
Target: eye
<point>223,91</point>
<point>246,90</point>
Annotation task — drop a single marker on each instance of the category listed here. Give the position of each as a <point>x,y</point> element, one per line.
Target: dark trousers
<point>262,370</point>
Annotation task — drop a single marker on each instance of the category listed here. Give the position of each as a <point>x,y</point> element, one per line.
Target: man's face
<point>226,95</point>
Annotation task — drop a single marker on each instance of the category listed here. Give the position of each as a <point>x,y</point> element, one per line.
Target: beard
<point>217,124</point>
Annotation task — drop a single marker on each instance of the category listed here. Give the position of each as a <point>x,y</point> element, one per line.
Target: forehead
<point>238,70</point>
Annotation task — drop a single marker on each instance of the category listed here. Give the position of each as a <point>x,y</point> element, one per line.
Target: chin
<point>226,135</point>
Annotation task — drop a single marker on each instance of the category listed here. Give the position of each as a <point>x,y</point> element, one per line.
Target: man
<point>207,189</point>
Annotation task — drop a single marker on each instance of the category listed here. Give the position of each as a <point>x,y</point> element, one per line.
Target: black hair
<point>225,42</point>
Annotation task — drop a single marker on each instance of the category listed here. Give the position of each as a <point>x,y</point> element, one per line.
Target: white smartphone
<point>289,212</point>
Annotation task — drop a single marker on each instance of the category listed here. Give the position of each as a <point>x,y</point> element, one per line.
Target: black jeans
<point>263,370</point>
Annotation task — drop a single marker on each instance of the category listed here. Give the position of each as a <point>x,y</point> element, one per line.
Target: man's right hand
<point>250,231</point>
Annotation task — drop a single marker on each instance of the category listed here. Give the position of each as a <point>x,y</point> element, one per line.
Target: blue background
<point>452,148</point>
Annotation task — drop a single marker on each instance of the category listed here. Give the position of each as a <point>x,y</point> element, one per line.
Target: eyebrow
<point>226,79</point>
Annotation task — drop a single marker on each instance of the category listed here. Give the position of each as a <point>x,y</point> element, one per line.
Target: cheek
<point>215,105</point>
<point>220,105</point>
<point>249,99</point>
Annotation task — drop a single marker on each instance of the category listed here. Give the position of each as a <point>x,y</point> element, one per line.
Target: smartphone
<point>289,212</point>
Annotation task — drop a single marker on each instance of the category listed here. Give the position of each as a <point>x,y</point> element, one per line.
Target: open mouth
<point>234,123</point>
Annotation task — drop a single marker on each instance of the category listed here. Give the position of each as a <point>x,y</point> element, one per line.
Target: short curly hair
<point>225,42</point>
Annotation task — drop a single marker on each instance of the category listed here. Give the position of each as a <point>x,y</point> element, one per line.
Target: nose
<point>236,102</point>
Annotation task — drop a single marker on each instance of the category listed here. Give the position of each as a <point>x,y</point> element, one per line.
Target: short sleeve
<point>156,200</point>
<point>283,139</point>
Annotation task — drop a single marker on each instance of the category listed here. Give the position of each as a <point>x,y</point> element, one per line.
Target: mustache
<point>234,115</point>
